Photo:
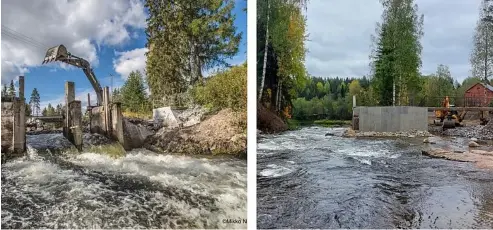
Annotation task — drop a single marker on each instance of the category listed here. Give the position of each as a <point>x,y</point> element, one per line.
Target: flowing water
<point>308,180</point>
<point>139,190</point>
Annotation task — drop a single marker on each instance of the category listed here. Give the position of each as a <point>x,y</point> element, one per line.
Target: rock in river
<point>473,144</point>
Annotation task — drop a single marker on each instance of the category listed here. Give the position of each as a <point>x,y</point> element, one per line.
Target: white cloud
<point>80,25</point>
<point>129,61</point>
<point>339,35</point>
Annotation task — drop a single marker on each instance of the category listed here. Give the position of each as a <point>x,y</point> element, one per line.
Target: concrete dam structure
<point>390,118</point>
<point>14,123</point>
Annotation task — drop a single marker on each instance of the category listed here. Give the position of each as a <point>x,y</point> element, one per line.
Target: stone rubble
<point>411,134</point>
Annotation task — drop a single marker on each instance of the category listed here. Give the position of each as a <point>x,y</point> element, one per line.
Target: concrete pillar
<point>69,97</point>
<point>106,110</point>
<point>354,101</point>
<point>117,123</point>
<point>19,129</point>
<point>22,120</point>
<point>21,87</point>
<point>75,128</point>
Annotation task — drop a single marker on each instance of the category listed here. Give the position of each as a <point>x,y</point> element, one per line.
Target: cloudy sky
<point>339,34</point>
<point>109,34</point>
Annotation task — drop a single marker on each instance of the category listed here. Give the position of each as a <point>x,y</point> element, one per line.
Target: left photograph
<point>124,114</point>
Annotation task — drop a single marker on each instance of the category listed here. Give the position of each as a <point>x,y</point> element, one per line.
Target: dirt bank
<point>268,122</point>
<point>218,134</point>
<point>482,158</point>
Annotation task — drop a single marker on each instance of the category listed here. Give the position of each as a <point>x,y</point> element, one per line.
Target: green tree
<point>34,102</point>
<point>116,95</point>
<point>4,90</point>
<point>280,45</point>
<point>11,90</point>
<point>50,110</point>
<point>482,53</point>
<point>396,55</point>
<point>186,37</point>
<point>28,110</point>
<point>133,93</point>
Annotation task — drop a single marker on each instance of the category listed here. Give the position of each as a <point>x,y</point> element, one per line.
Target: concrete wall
<point>7,124</point>
<point>13,126</point>
<point>392,119</point>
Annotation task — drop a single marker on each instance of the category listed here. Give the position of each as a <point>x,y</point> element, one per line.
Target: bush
<point>226,89</point>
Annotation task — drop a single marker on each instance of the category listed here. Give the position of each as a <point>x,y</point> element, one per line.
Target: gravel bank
<point>472,131</point>
<point>413,133</point>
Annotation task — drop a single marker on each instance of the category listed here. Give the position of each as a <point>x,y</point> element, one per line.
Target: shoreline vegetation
<point>294,124</point>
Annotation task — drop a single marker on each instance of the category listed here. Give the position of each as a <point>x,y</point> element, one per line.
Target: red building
<point>475,95</point>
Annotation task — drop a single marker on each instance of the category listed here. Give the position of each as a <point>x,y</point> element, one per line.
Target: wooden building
<point>478,95</point>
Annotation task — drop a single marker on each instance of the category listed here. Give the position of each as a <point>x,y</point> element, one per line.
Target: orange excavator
<point>447,118</point>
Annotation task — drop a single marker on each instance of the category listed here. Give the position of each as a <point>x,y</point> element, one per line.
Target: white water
<point>140,190</point>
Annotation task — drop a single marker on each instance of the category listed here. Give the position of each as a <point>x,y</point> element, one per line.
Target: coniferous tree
<point>34,102</point>
<point>401,38</point>
<point>4,90</point>
<point>11,90</point>
<point>198,35</point>
<point>133,94</point>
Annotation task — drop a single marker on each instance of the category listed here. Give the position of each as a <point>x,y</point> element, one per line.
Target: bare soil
<point>269,122</point>
<point>219,134</point>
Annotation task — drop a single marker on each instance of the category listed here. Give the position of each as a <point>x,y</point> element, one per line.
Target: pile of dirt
<point>268,121</point>
<point>218,134</point>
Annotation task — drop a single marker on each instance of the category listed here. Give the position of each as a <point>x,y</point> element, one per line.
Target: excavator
<point>449,119</point>
<point>60,53</point>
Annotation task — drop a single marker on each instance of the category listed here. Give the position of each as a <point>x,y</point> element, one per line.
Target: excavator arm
<point>59,53</point>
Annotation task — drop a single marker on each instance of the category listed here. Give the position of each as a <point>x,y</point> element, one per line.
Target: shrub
<point>226,89</point>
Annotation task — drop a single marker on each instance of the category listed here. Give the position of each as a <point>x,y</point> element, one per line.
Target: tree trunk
<point>262,81</point>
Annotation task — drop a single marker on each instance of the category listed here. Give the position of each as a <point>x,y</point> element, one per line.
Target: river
<point>140,190</point>
<point>308,180</point>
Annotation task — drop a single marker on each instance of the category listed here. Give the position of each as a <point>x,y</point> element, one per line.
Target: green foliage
<point>133,94</point>
<point>280,40</point>
<point>226,89</point>
<point>4,90</point>
<point>396,53</point>
<point>482,54</point>
<point>34,102</point>
<point>11,90</point>
<point>186,37</point>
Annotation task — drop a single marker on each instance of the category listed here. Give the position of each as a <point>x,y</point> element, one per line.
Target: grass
<point>114,150</point>
<point>140,115</point>
<point>297,124</point>
<point>330,123</point>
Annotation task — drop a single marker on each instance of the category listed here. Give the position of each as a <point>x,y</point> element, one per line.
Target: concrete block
<point>392,119</point>
<point>117,123</point>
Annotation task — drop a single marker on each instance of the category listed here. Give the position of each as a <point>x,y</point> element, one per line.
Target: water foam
<point>139,190</point>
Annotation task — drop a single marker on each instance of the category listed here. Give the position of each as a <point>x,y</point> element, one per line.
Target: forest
<point>287,89</point>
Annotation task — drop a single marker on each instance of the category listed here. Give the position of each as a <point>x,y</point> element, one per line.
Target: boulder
<point>135,135</point>
<point>473,144</point>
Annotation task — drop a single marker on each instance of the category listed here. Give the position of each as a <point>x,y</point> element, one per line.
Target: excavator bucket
<point>55,53</point>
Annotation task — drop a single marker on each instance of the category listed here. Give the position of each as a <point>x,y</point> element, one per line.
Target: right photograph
<point>374,114</point>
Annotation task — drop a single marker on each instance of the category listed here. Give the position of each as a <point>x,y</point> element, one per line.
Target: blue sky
<point>113,41</point>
